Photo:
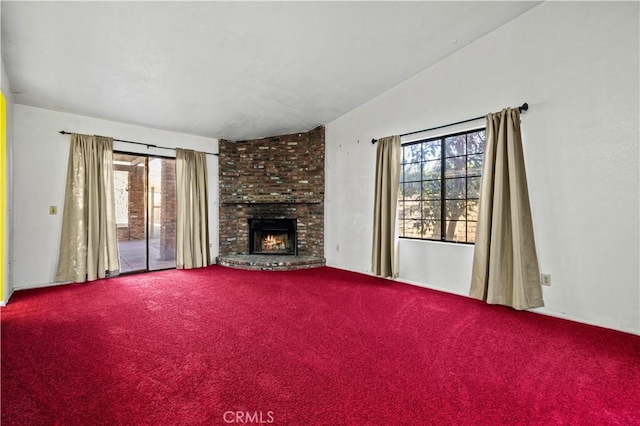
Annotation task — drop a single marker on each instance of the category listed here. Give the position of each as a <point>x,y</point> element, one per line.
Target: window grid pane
<point>433,208</point>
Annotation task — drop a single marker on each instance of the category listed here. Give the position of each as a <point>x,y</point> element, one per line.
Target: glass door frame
<point>147,157</point>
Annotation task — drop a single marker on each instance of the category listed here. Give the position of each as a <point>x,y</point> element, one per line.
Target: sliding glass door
<point>162,213</point>
<point>145,212</point>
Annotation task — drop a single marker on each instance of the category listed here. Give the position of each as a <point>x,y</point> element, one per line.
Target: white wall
<point>8,251</point>
<point>41,155</point>
<point>576,64</point>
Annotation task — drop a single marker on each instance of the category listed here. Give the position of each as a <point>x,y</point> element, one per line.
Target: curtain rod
<point>523,107</point>
<point>148,145</point>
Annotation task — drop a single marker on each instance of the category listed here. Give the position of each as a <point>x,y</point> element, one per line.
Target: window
<point>440,186</point>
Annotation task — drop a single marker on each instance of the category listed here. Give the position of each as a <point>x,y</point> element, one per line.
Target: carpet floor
<point>309,347</point>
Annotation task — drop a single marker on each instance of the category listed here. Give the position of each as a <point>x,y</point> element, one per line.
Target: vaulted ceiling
<point>237,70</point>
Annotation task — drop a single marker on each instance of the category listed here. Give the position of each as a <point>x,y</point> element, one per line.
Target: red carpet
<point>320,346</point>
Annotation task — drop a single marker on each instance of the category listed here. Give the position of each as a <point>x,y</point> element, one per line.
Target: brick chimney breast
<point>280,177</point>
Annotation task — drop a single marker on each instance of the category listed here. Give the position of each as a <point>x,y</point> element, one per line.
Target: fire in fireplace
<point>272,236</point>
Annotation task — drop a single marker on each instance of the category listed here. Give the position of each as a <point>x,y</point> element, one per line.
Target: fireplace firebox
<point>272,236</point>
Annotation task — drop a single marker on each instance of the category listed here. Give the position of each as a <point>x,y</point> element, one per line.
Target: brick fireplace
<point>273,179</point>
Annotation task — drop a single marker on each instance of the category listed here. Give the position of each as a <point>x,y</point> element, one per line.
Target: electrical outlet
<point>545,279</point>
<point>53,209</point>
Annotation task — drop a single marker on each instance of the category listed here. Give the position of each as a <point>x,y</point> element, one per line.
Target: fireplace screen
<point>272,236</point>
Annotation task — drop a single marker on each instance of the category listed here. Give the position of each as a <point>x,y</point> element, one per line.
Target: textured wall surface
<point>576,64</point>
<point>274,178</point>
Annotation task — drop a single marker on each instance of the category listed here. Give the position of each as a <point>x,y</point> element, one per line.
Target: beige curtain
<point>192,237</point>
<point>505,265</point>
<point>88,245</point>
<point>384,257</point>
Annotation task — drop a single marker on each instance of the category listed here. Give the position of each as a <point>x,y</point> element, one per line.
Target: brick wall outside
<point>137,200</point>
<point>279,177</point>
<point>168,210</point>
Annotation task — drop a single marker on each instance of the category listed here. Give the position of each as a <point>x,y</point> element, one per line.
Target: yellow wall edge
<point>3,191</point>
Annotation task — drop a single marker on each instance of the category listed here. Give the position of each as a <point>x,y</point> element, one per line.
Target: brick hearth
<point>279,177</point>
<point>257,262</point>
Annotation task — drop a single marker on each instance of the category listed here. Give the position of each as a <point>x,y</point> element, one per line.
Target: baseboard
<point>573,318</point>
<point>40,286</point>
<point>540,311</point>
<point>402,280</point>
<point>4,302</point>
